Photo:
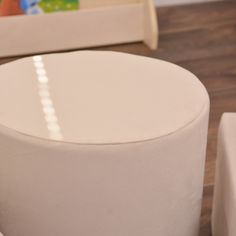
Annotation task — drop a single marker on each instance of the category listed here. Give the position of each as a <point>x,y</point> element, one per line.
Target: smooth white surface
<point>224,204</point>
<point>98,97</point>
<point>179,2</point>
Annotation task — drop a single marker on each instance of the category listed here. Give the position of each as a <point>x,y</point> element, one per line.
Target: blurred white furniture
<point>97,23</point>
<point>101,144</point>
<point>224,206</point>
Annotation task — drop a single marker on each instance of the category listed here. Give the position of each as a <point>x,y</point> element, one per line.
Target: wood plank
<point>206,212</point>
<point>222,75</point>
<point>215,41</point>
<point>189,17</point>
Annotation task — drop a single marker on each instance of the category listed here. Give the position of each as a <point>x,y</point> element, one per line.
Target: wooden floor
<point>201,38</point>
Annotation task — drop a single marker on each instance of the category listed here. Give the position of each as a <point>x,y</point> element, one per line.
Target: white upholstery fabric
<point>129,155</point>
<point>224,206</point>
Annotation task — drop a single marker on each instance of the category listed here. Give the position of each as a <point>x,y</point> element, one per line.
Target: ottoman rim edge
<point>39,141</point>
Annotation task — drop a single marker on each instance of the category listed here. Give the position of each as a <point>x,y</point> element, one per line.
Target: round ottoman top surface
<point>98,97</point>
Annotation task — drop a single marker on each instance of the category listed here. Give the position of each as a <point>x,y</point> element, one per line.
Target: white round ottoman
<point>100,144</point>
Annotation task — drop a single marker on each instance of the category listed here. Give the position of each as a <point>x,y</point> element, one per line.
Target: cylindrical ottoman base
<point>101,190</point>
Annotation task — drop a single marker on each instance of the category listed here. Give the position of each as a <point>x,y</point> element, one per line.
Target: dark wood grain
<point>190,17</point>
<point>202,39</point>
<point>206,211</point>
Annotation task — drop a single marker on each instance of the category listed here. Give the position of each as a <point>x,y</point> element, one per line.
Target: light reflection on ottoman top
<point>98,97</point>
